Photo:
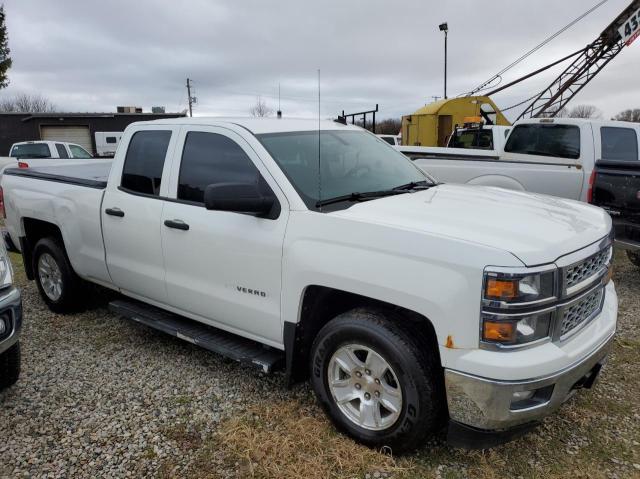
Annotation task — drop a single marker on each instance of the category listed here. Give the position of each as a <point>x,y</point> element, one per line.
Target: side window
<point>79,152</point>
<point>62,151</point>
<point>210,158</point>
<point>619,144</point>
<point>559,141</point>
<point>143,164</point>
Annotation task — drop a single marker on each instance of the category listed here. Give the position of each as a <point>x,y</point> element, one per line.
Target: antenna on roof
<point>279,112</point>
<point>319,170</point>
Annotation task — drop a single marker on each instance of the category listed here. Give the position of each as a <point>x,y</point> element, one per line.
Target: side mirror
<point>240,198</point>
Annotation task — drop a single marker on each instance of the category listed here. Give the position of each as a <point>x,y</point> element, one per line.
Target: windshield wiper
<point>414,185</point>
<point>354,197</point>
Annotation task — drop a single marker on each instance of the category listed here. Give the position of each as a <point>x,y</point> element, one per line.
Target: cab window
<point>62,151</point>
<point>209,159</point>
<point>144,162</point>
<point>558,141</point>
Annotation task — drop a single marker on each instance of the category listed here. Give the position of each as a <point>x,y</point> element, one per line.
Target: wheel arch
<point>34,231</point>
<point>320,304</point>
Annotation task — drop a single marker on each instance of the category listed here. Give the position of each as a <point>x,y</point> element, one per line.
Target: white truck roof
<point>257,125</point>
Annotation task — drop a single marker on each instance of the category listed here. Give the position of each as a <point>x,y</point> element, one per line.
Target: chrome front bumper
<point>491,405</point>
<point>11,310</point>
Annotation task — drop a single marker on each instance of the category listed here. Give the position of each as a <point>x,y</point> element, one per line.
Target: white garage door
<point>71,134</point>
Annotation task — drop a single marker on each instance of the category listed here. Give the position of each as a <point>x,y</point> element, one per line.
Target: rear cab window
<point>144,162</point>
<point>31,150</point>
<point>62,151</point>
<point>550,140</point>
<point>619,144</point>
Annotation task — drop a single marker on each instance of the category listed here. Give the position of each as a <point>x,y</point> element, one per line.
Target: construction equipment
<point>432,125</point>
<point>595,56</point>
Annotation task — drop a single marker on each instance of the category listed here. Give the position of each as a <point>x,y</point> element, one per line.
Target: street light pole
<point>444,27</point>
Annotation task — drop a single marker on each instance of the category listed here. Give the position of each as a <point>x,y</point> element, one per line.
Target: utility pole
<point>444,27</point>
<point>192,99</point>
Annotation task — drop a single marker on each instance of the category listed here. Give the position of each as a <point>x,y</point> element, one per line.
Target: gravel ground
<point>100,396</point>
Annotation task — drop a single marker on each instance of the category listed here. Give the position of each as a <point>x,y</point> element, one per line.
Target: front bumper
<point>491,406</point>
<point>11,311</point>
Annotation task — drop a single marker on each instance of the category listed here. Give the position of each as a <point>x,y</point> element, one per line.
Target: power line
<point>498,76</point>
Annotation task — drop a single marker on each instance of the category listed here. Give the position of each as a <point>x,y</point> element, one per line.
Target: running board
<point>221,342</point>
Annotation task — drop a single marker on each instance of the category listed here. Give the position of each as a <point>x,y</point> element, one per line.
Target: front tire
<point>10,366</point>
<point>59,286</point>
<point>375,382</point>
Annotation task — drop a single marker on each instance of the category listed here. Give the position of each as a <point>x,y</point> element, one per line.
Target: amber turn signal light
<point>501,289</point>
<point>499,331</point>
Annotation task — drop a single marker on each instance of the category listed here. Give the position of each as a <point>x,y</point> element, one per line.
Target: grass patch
<point>290,439</point>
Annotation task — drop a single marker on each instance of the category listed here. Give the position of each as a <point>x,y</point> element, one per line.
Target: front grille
<point>581,311</point>
<point>584,270</point>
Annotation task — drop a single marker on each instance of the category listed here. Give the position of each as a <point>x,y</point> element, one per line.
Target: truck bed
<point>91,175</point>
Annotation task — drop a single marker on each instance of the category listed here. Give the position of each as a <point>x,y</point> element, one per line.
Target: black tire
<point>10,366</point>
<point>634,257</point>
<point>415,364</point>
<point>72,296</point>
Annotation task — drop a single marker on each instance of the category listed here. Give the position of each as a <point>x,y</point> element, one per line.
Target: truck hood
<point>537,229</point>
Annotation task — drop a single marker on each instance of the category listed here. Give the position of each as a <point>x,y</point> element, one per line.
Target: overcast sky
<point>91,56</point>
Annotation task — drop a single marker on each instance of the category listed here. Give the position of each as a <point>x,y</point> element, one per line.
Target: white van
<point>107,142</point>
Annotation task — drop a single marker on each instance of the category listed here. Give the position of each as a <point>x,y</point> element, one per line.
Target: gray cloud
<point>92,56</point>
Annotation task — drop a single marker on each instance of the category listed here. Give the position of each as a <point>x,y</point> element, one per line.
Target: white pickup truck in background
<point>483,137</point>
<point>409,304</point>
<point>551,156</point>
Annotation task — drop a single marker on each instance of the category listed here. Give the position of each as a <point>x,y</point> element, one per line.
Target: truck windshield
<point>31,150</point>
<point>350,162</point>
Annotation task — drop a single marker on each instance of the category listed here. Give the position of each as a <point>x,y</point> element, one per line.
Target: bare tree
<point>629,115</point>
<point>25,103</point>
<point>260,109</point>
<point>584,111</point>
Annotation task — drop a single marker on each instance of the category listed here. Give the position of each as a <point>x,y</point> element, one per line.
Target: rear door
<point>223,268</point>
<point>132,210</point>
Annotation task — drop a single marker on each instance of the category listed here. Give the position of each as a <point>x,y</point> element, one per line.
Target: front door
<point>131,214</point>
<point>223,268</point>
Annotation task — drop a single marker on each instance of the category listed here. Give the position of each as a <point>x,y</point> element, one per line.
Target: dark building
<point>77,128</point>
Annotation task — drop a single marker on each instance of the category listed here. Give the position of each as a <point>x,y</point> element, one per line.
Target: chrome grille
<point>584,270</point>
<point>581,311</point>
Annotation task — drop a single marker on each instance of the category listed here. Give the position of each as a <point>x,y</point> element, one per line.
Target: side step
<point>227,344</point>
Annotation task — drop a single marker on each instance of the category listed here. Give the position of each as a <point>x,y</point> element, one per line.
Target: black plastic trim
<point>466,437</point>
<point>38,175</point>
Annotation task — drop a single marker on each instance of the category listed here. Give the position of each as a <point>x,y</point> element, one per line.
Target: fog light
<point>529,399</point>
<point>521,395</point>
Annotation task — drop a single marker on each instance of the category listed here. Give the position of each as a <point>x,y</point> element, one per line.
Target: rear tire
<point>393,394</point>
<point>59,286</point>
<point>634,257</point>
<point>10,366</point>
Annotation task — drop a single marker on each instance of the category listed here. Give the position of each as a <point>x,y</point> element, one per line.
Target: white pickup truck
<point>551,156</point>
<point>409,304</point>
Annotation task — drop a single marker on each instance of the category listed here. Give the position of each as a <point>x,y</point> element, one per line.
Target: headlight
<point>516,330</point>
<point>513,307</point>
<point>519,289</point>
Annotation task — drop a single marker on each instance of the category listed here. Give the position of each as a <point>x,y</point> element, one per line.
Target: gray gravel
<point>100,396</point>
<point>104,396</point>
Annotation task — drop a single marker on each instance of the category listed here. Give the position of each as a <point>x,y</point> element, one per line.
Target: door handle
<point>114,212</point>
<point>176,224</point>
